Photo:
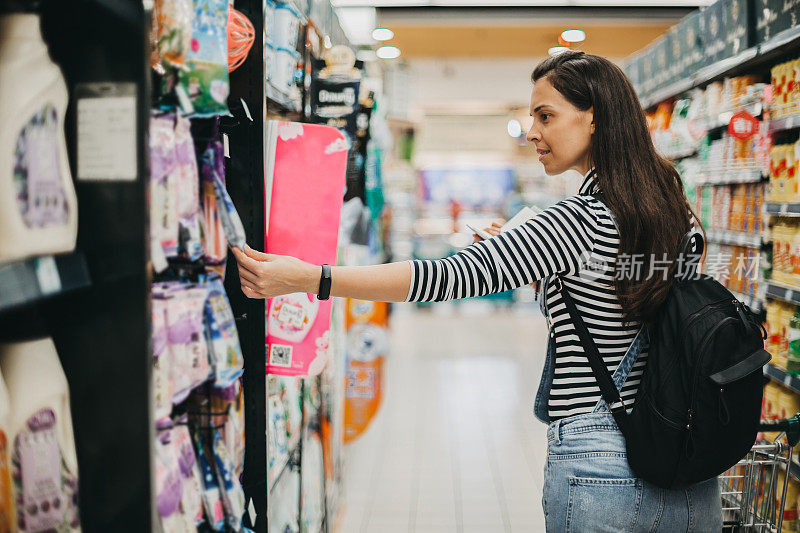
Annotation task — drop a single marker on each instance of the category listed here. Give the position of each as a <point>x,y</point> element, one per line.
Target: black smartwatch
<point>325,283</point>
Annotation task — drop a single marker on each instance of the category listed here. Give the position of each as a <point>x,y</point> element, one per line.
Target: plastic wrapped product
<point>224,350</point>
<point>192,491</point>
<point>212,495</point>
<point>212,165</point>
<point>163,184</point>
<point>168,480</point>
<point>203,86</point>
<point>232,493</point>
<point>173,28</point>
<point>162,378</point>
<point>234,230</point>
<point>190,240</point>
<point>187,341</point>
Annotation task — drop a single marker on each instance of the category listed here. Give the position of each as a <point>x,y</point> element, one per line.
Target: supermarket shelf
<point>783,292</point>
<point>729,176</point>
<point>294,448</point>
<point>723,119</point>
<point>753,302</point>
<point>789,381</point>
<point>747,59</point>
<point>784,123</point>
<point>276,99</point>
<point>734,238</point>
<point>680,154</point>
<point>789,209</point>
<point>34,279</point>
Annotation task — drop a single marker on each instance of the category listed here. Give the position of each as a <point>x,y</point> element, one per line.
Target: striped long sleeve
<point>555,241</point>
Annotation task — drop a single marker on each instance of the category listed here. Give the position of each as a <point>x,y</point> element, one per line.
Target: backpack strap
<point>604,380</point>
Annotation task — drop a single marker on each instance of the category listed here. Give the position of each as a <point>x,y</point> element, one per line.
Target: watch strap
<point>325,283</point>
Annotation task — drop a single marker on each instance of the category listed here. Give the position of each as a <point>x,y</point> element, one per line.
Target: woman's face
<point>561,132</point>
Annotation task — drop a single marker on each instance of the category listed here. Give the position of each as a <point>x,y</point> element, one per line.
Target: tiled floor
<point>455,447</point>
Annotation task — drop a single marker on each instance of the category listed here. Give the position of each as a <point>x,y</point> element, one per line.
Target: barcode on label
<point>280,355</point>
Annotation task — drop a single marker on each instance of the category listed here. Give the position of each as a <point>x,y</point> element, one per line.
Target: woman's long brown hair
<point>642,189</point>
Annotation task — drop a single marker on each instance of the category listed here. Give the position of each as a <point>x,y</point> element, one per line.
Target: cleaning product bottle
<point>793,355</point>
<point>38,208</point>
<point>7,513</point>
<point>42,446</point>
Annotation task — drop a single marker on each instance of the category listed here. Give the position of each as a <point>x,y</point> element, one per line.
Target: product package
<point>212,168</point>
<point>303,188</point>
<point>232,493</point>
<point>163,184</point>
<point>44,465</point>
<point>203,86</point>
<point>187,341</point>
<point>163,387</point>
<point>192,492</point>
<point>231,401</point>
<point>190,235</point>
<point>38,206</point>
<point>231,223</point>
<point>224,350</point>
<point>168,480</point>
<point>212,495</point>
<point>173,28</point>
<point>8,514</point>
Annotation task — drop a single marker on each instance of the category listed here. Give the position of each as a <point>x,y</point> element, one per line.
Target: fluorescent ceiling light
<point>557,50</point>
<point>382,34</point>
<point>573,36</point>
<point>514,128</point>
<point>388,52</point>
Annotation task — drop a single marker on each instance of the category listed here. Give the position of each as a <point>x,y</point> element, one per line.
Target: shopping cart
<point>754,490</point>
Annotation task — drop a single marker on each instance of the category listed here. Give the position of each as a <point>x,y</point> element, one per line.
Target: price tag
<point>246,109</point>
<point>787,381</point>
<point>787,294</point>
<point>784,208</point>
<point>226,148</point>
<point>106,114</point>
<point>47,275</point>
<point>251,509</point>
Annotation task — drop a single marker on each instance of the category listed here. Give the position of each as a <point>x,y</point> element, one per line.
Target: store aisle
<point>456,447</point>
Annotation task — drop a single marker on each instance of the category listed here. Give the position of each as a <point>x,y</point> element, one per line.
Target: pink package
<point>304,187</point>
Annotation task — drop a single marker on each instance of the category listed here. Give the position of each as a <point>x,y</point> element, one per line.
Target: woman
<point>630,208</point>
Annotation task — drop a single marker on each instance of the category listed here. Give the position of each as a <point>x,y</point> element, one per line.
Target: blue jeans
<point>588,485</point>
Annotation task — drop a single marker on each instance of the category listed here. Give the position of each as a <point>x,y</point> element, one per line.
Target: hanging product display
<point>44,464</point>
<point>203,86</point>
<point>334,91</point>
<point>38,207</point>
<point>367,348</point>
<point>303,195</point>
<point>172,28</point>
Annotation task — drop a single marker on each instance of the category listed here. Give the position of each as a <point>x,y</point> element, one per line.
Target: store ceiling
<point>427,32</point>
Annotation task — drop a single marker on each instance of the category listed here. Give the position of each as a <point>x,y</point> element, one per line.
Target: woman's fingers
<point>258,256</point>
<point>250,293</point>
<point>248,274</point>
<point>245,260</point>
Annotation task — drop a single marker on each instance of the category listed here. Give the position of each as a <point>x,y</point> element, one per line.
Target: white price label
<point>47,275</point>
<point>107,138</point>
<point>251,509</point>
<point>226,147</point>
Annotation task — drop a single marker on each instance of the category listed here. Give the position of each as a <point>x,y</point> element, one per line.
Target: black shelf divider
<point>25,283</point>
<point>244,173</point>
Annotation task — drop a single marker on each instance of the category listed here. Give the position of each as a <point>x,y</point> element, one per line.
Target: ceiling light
<point>573,36</point>
<point>382,34</point>
<point>327,42</point>
<point>514,128</point>
<point>388,52</point>
<point>557,50</point>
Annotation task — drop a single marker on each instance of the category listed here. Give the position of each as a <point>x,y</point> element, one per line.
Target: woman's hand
<point>267,275</point>
<point>493,230</point>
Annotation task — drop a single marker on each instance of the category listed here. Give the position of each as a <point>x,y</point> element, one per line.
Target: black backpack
<point>698,406</point>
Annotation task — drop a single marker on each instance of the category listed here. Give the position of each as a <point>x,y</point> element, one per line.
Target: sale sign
<point>743,125</point>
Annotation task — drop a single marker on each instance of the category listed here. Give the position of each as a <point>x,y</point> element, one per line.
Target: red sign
<point>743,125</point>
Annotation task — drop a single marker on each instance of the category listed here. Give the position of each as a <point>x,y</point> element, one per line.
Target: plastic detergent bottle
<point>38,208</point>
<point>7,512</point>
<point>793,356</point>
<point>41,444</point>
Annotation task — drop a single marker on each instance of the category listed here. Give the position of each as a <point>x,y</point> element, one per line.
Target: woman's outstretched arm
<point>266,275</point>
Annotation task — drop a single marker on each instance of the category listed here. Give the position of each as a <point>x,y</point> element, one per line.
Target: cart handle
<point>790,426</point>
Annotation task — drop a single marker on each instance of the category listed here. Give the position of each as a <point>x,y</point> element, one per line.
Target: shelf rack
<point>734,238</point>
<point>752,57</point>
<point>32,280</point>
<point>787,209</point>
<point>783,292</point>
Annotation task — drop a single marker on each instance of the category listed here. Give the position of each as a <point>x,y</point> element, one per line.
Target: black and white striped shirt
<point>577,238</point>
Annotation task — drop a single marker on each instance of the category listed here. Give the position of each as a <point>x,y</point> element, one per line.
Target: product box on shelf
<point>714,21</point>
<point>647,70</point>
<point>661,51</point>
<point>691,31</point>
<point>775,16</point>
<point>631,69</point>
<point>738,26</point>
